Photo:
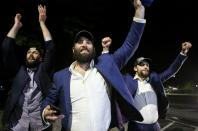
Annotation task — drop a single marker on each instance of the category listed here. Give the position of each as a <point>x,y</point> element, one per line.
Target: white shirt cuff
<point>47,38</point>
<point>103,52</point>
<point>139,20</point>
<point>181,53</point>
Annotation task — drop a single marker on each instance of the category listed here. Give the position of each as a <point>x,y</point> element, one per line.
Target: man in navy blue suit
<point>148,91</point>
<point>89,92</point>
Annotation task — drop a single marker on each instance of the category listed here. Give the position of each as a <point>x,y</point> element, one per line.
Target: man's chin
<point>31,61</point>
<point>145,74</point>
<point>84,60</point>
<point>32,64</point>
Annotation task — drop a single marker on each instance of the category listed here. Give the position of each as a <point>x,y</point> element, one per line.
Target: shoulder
<point>62,71</point>
<point>154,76</point>
<point>127,77</point>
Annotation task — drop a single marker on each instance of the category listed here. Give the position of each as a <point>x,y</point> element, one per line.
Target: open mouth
<point>145,71</point>
<point>31,59</point>
<point>84,51</point>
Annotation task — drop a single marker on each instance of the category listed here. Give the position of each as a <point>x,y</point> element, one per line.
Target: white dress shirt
<point>91,108</point>
<point>146,101</point>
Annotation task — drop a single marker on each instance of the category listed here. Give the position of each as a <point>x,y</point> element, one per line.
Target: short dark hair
<point>35,44</point>
<point>39,49</point>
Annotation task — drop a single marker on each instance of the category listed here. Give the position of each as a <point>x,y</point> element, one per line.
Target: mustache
<point>84,48</point>
<point>145,70</point>
<point>31,57</point>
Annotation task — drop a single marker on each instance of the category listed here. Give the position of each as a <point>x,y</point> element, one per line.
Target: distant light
<point>1,87</point>
<point>196,85</point>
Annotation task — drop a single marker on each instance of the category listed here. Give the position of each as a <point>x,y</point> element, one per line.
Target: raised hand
<point>16,26</point>
<point>42,13</point>
<point>42,18</point>
<point>17,21</point>
<point>185,47</point>
<point>106,42</point>
<point>139,9</point>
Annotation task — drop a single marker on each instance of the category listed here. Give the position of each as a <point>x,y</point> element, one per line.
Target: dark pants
<point>134,126</point>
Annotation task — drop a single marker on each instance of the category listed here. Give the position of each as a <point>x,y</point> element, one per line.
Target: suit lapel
<point>66,90</point>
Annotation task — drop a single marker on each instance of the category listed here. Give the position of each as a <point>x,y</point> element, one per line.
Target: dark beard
<point>142,75</point>
<point>32,65</point>
<point>83,58</point>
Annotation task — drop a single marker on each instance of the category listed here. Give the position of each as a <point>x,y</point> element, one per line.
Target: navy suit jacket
<point>109,66</point>
<point>14,104</point>
<point>156,80</point>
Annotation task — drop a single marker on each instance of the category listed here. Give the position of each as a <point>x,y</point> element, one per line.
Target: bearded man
<point>90,92</point>
<point>31,80</point>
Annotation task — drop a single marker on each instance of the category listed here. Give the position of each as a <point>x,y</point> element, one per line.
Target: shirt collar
<point>29,70</point>
<point>136,77</point>
<point>72,66</point>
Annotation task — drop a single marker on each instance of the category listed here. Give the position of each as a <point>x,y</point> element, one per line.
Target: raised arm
<point>131,43</point>
<point>42,18</point>
<point>49,54</point>
<point>10,60</point>
<point>178,62</point>
<point>15,28</point>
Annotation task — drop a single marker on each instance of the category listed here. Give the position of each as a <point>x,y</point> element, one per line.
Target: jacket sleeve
<point>173,68</point>
<point>48,58</point>
<point>130,45</point>
<point>53,93</point>
<point>10,60</point>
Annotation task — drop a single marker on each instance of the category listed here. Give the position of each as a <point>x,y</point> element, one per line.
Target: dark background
<point>169,23</point>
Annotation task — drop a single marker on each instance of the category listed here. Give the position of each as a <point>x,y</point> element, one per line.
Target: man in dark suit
<point>31,81</point>
<point>83,90</point>
<point>148,91</point>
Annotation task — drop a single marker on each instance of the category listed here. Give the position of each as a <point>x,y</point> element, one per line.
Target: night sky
<point>169,23</point>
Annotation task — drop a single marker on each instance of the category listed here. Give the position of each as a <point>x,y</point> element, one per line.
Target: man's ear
<point>135,68</point>
<point>73,49</point>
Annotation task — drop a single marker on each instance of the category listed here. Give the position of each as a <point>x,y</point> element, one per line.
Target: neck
<point>82,67</point>
<point>141,78</point>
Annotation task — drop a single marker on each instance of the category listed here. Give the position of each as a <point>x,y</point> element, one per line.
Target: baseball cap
<point>84,33</point>
<point>142,59</point>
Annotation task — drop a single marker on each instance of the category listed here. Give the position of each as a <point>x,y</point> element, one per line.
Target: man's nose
<point>146,66</point>
<point>84,43</point>
<point>31,55</point>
